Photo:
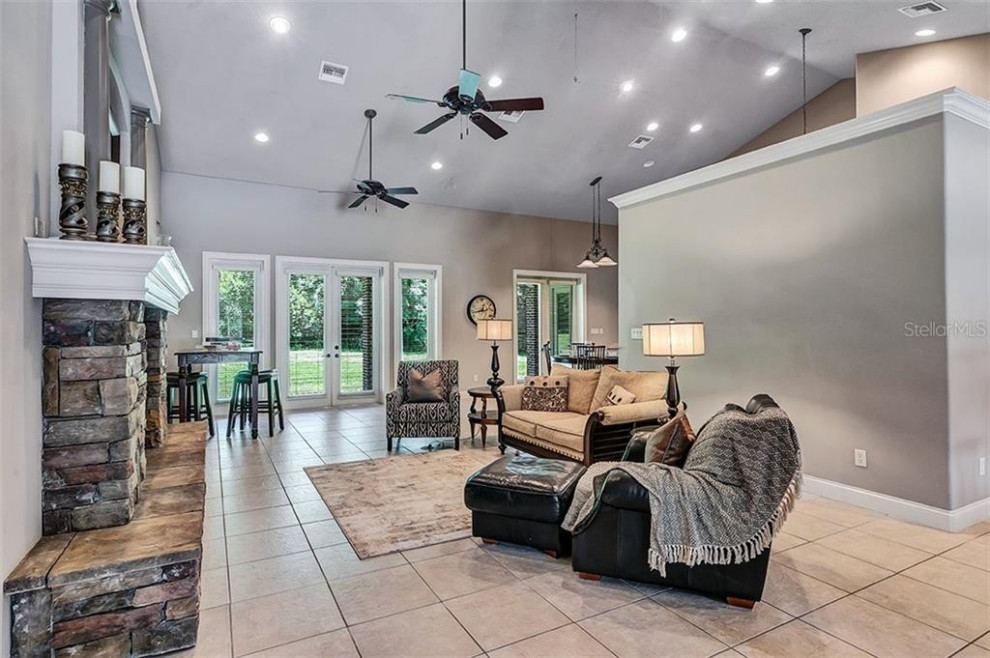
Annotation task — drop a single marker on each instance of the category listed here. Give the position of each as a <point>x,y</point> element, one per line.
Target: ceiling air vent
<point>330,72</point>
<point>922,9</point>
<point>511,117</point>
<point>640,142</point>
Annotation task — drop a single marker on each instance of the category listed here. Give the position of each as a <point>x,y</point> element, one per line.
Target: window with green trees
<point>415,318</point>
<point>235,320</point>
<point>307,331</point>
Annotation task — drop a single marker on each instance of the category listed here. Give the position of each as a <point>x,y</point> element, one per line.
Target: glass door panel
<point>235,320</point>
<point>527,330</point>
<point>307,335</point>
<point>561,317</point>
<point>357,342</point>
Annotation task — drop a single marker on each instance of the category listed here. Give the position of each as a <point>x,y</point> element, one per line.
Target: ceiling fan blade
<point>515,105</point>
<point>402,190</point>
<point>493,130</point>
<point>398,203</point>
<point>335,191</point>
<point>358,201</point>
<point>468,85</point>
<point>412,99</point>
<point>436,123</point>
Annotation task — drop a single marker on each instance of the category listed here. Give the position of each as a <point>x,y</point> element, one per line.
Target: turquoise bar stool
<point>240,400</point>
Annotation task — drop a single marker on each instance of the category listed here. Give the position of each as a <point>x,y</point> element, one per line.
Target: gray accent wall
<point>25,154</point>
<point>478,250</point>
<point>805,273</point>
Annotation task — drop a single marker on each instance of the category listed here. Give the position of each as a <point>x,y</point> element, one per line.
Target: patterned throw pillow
<point>619,395</point>
<point>428,388</point>
<point>545,394</point>
<point>670,443</point>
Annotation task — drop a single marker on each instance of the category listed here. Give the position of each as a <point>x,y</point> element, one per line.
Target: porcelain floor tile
<point>875,550</point>
<point>646,629</point>
<point>298,614</point>
<point>336,644</point>
<point>796,593</point>
<point>832,567</point>
<point>381,593</point>
<point>955,577</point>
<point>724,622</point>
<point>426,632</point>
<point>571,641</point>
<point>795,639</point>
<point>504,615</point>
<point>936,607</point>
<point>579,599</point>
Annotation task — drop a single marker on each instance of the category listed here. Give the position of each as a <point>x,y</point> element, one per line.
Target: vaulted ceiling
<point>223,75</point>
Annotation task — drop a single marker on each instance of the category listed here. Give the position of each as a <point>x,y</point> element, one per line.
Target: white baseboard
<point>900,508</point>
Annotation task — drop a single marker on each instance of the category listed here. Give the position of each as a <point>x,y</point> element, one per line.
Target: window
<point>417,311</point>
<point>549,309</point>
<point>307,334</point>
<point>235,306</point>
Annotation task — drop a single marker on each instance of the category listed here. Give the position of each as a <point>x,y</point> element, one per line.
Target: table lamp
<point>494,330</point>
<point>673,339</point>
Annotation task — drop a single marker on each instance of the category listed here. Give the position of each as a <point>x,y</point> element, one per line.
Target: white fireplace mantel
<point>73,269</point>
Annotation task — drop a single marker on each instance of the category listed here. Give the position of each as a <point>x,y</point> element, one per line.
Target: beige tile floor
<point>280,578</point>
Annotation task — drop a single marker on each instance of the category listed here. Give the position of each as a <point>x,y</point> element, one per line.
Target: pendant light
<point>603,260</point>
<point>597,256</point>
<point>589,258</point>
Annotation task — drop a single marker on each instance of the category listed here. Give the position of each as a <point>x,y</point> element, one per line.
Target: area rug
<point>399,503</point>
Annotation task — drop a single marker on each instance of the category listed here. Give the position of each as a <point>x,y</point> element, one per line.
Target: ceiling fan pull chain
<point>576,81</point>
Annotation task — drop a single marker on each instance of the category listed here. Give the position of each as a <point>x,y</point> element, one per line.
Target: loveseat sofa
<point>590,430</point>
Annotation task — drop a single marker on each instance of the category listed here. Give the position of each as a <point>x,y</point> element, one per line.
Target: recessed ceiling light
<point>494,81</point>
<point>696,127</point>
<point>924,33</point>
<point>436,166</point>
<point>763,2</point>
<point>280,24</point>
<point>652,126</point>
<point>261,138</point>
<point>771,71</point>
<point>627,86</point>
<point>649,163</point>
<point>679,35</point>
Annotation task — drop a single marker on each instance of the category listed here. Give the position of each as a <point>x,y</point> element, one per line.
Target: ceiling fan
<point>467,100</point>
<point>370,187</point>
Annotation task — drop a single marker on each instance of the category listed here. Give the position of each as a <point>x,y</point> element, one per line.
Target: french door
<point>329,331</point>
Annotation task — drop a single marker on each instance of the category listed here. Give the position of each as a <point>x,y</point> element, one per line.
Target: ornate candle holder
<point>135,222</point>
<point>108,223</point>
<point>72,178</point>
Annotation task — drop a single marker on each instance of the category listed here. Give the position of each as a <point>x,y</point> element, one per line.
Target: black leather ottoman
<point>522,500</point>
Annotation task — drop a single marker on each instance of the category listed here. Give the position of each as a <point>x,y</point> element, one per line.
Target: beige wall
<point>25,139</point>
<point>888,77</point>
<point>834,105</point>
<point>478,250</point>
<point>805,293</point>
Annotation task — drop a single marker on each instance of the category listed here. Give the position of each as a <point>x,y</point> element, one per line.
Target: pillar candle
<point>134,183</point>
<point>73,147</point>
<point>109,177</point>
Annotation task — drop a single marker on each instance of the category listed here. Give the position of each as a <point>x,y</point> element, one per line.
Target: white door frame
<point>331,268</point>
<point>580,298</point>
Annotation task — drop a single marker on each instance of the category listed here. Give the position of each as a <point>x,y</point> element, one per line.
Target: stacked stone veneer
<point>93,400</point>
<point>155,350</point>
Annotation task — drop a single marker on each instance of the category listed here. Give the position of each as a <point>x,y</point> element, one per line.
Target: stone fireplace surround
<point>117,570</point>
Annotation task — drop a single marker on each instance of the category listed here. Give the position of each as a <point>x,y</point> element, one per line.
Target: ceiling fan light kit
<point>598,255</point>
<point>467,100</point>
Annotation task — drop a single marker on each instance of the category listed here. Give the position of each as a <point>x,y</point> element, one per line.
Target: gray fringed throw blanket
<point>740,480</point>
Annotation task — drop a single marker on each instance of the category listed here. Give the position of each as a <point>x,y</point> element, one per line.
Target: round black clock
<point>481,307</point>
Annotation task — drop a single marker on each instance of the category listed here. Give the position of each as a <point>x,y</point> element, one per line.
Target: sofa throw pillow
<point>545,394</point>
<point>424,388</point>
<point>581,385</point>
<point>619,395</point>
<point>646,386</point>
<point>671,442</point>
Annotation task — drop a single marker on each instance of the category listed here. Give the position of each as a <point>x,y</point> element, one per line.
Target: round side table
<point>482,417</point>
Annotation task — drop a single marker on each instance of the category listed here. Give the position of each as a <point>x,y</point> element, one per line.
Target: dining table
<point>209,356</point>
<point>568,359</point>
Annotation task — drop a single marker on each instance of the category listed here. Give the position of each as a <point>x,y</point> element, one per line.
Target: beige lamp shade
<point>674,339</point>
<point>494,329</point>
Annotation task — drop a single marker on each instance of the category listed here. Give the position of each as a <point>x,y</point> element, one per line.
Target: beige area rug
<point>400,503</point>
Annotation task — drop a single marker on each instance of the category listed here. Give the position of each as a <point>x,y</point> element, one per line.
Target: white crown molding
<point>73,269</point>
<point>953,101</point>
<point>906,510</point>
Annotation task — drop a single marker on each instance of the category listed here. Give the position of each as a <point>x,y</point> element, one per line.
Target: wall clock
<point>481,307</point>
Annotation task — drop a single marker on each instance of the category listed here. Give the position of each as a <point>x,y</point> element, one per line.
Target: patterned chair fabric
<point>424,419</point>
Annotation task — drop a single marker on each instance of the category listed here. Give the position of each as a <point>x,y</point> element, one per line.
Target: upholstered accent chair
<point>441,420</point>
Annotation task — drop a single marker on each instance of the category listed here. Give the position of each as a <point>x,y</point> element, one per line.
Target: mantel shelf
<point>73,269</point>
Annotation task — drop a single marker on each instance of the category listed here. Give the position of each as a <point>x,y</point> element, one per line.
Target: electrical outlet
<point>859,457</point>
<point>636,333</point>
<point>476,378</point>
<point>195,333</point>
<point>39,228</point>
<point>983,465</point>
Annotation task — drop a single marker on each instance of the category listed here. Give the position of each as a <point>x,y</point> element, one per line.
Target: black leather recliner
<point>617,541</point>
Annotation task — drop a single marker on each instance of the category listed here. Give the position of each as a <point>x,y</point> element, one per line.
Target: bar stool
<point>197,395</point>
<point>240,400</point>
